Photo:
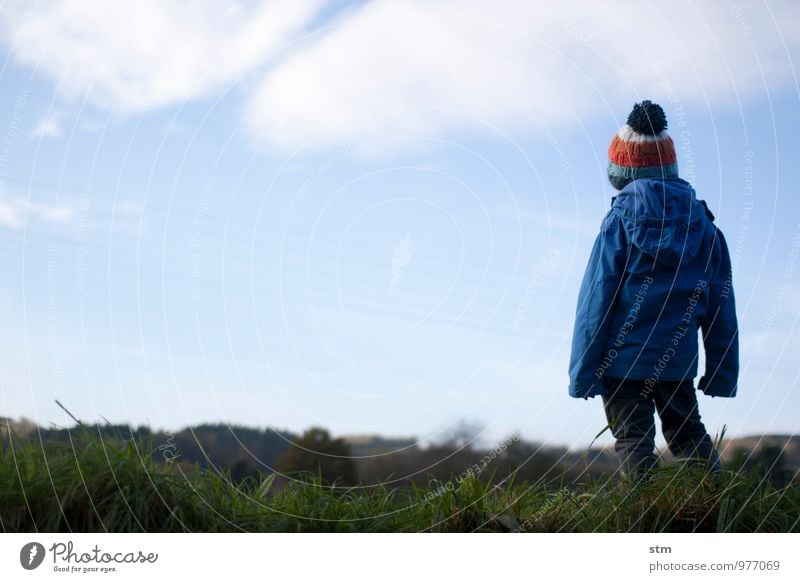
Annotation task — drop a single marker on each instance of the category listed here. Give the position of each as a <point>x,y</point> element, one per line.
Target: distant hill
<point>749,448</point>
<point>366,445</point>
<point>249,452</point>
<point>244,451</point>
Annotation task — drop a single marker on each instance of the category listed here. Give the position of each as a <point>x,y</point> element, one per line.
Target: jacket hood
<point>663,218</point>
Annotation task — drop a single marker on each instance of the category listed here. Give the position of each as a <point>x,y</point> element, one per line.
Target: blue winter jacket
<point>658,272</point>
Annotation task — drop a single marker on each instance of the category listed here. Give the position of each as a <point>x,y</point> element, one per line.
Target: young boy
<point>658,272</point>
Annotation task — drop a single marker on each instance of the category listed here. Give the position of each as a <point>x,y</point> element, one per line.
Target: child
<point>659,270</point>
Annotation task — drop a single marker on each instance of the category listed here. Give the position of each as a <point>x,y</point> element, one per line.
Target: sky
<point>370,216</point>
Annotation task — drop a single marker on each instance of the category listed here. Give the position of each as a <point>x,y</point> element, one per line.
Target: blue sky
<point>372,216</point>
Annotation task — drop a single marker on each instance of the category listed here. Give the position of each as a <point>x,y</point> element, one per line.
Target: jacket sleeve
<point>720,330</point>
<point>596,301</point>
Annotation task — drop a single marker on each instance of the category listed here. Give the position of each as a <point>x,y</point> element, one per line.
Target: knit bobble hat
<point>642,148</point>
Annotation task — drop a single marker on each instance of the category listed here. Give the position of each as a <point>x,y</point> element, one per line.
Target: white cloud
<point>16,212</point>
<point>401,67</point>
<point>48,126</point>
<point>139,55</point>
<point>9,216</point>
<point>405,66</point>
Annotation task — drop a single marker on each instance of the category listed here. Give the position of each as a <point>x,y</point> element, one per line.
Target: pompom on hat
<point>642,148</point>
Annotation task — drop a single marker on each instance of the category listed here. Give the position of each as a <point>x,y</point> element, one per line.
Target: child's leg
<point>630,415</point>
<point>676,403</point>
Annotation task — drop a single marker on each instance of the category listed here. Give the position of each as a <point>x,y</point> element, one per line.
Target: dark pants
<point>629,408</point>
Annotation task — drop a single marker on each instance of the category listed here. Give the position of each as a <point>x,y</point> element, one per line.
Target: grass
<point>94,485</point>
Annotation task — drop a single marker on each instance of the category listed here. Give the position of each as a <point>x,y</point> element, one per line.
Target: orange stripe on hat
<point>640,154</point>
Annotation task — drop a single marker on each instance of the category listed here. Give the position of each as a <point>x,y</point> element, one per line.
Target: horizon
<point>360,439</point>
<point>244,217</point>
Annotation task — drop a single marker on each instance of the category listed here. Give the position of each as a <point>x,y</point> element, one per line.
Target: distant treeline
<point>240,453</point>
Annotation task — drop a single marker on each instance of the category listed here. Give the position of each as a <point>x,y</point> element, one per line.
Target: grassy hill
<point>93,482</point>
